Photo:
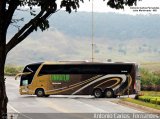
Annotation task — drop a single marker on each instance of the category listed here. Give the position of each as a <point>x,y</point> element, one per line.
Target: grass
<point>151,93</point>
<point>154,106</point>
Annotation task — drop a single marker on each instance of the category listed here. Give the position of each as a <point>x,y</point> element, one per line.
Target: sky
<point>144,7</point>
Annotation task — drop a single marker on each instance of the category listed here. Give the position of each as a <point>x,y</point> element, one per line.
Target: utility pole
<point>92,33</point>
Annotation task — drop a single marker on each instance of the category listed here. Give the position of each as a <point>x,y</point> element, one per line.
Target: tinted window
<point>86,69</point>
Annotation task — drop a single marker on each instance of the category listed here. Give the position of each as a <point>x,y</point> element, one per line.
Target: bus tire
<point>97,93</point>
<point>40,92</point>
<point>109,93</point>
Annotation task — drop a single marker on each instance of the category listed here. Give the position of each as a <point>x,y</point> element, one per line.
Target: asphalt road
<point>56,105</point>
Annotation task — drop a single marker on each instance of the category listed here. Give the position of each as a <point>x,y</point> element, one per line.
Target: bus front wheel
<point>40,92</point>
<point>97,93</point>
<point>109,93</point>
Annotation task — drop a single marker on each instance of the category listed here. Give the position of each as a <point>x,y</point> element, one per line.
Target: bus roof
<point>79,62</point>
<point>72,62</point>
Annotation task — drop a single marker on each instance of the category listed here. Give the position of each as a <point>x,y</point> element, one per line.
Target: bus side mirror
<point>18,75</point>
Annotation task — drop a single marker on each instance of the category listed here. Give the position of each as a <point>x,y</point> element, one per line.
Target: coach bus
<point>79,78</point>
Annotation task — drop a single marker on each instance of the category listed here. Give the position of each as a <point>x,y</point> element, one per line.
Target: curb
<point>139,107</point>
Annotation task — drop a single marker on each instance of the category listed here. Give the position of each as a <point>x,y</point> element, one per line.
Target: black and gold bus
<point>79,78</point>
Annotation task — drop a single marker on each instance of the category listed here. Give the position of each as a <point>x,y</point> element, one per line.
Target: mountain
<point>107,25</point>
<point>116,36</point>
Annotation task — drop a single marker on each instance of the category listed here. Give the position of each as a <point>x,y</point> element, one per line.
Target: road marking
<point>13,108</point>
<point>18,112</point>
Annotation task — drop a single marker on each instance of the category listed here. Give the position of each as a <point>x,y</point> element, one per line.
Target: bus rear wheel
<point>109,93</point>
<point>40,92</point>
<point>97,93</point>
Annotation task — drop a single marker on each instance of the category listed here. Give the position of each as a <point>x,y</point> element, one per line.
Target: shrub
<point>153,100</point>
<point>141,98</point>
<point>12,70</point>
<point>150,99</point>
<point>158,101</point>
<point>149,80</point>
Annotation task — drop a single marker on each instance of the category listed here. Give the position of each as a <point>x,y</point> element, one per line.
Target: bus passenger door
<point>24,87</point>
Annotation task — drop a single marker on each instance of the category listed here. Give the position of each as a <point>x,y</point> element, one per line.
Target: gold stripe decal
<point>73,86</point>
<point>129,84</point>
<point>98,79</point>
<point>112,79</point>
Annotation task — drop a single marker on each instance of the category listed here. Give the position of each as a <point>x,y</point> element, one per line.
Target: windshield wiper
<point>30,69</point>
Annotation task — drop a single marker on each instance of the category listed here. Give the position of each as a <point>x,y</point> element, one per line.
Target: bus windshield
<point>27,79</point>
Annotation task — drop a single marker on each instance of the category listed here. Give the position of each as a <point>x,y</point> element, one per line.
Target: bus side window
<point>25,82</point>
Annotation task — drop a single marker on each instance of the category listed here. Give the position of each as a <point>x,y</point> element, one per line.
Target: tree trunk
<point>3,96</point>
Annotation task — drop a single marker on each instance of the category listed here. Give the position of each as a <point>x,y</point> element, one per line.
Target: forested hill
<point>107,25</point>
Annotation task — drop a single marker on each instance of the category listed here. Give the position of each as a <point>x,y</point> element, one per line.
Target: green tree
<point>149,78</point>
<point>46,8</point>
